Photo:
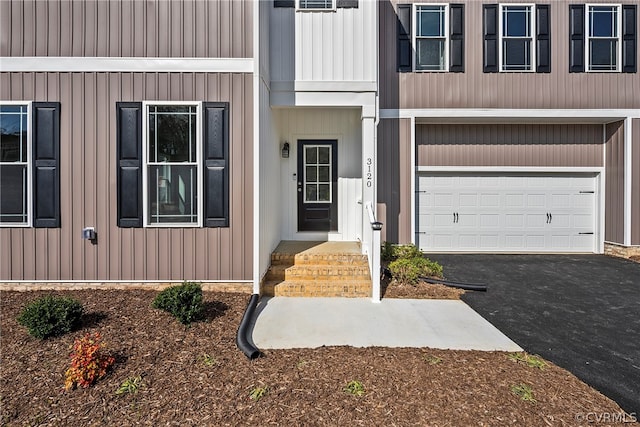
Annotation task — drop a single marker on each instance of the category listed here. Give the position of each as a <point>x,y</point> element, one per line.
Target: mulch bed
<point>389,288</point>
<point>303,387</point>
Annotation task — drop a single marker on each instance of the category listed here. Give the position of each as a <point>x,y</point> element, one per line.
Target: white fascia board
<point>335,86</point>
<point>323,99</point>
<point>509,169</point>
<point>603,115</point>
<point>72,64</point>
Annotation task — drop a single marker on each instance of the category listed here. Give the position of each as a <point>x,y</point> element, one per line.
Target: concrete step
<point>318,288</point>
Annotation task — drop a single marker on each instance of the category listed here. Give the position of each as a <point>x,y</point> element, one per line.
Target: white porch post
<point>627,180</point>
<point>371,238</point>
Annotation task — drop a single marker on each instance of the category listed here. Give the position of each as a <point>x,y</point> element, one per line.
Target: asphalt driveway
<point>582,312</point>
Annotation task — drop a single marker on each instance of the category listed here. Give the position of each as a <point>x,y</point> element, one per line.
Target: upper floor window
<point>517,38</point>
<point>15,166</point>
<point>431,38</point>
<point>603,37</point>
<point>517,48</point>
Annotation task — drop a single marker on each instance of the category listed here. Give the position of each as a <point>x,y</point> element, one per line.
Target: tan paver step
<point>318,288</point>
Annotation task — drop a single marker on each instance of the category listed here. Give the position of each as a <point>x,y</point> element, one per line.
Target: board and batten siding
<point>324,46</point>
<point>475,89</point>
<point>394,183</point>
<point>88,185</point>
<point>127,28</point>
<point>535,145</point>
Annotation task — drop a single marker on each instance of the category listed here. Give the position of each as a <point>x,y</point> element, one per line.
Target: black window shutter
<point>129,153</point>
<point>629,38</point>
<point>283,3</point>
<point>46,164</point>
<point>347,4</point>
<point>456,52</point>
<point>543,38</point>
<point>405,51</point>
<point>490,46</point>
<point>576,38</point>
<point>216,164</point>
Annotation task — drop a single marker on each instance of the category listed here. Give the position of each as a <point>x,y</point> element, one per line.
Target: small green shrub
<point>407,251</point>
<point>184,302</point>
<point>387,252</point>
<point>51,316</point>
<point>406,271</point>
<point>432,268</point>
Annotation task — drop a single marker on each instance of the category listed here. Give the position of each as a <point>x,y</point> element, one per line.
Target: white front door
<point>496,212</point>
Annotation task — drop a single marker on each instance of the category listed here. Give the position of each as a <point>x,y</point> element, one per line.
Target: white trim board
<point>70,64</point>
<point>437,115</point>
<point>509,169</point>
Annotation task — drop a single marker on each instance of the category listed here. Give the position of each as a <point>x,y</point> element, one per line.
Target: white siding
<point>345,125</point>
<point>324,46</point>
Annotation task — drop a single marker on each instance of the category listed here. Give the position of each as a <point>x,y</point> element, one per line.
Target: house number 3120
<point>369,172</point>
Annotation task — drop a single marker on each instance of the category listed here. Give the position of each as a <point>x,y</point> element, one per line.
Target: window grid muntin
<point>197,212</point>
<point>24,110</point>
<point>316,184</point>
<point>316,4</point>
<point>617,60</point>
<point>530,63</point>
<point>443,37</point>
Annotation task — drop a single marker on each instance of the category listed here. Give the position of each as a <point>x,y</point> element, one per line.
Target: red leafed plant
<point>88,362</point>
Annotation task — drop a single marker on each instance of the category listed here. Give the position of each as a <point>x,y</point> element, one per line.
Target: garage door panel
<point>506,212</point>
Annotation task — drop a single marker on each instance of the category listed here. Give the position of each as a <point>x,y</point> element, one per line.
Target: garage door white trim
<point>593,213</point>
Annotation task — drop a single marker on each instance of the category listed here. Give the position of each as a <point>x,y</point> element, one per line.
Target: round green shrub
<point>409,270</point>
<point>51,316</point>
<point>184,302</point>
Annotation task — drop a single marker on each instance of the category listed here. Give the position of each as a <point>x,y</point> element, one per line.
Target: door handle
<point>547,217</point>
<point>454,217</point>
<point>550,218</point>
<point>457,218</point>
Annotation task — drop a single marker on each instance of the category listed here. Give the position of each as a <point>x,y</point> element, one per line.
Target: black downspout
<point>242,338</point>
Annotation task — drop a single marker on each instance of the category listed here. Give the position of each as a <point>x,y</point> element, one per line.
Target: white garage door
<point>506,212</point>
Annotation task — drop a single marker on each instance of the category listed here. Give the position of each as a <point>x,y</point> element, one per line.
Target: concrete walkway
<point>314,322</point>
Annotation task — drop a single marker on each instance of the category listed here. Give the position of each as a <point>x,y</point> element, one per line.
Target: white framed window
<point>516,48</point>
<point>15,165</point>
<point>603,37</point>
<point>431,37</point>
<point>172,176</point>
<point>316,4</point>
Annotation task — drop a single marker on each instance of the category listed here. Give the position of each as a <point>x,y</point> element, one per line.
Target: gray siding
<point>127,28</point>
<point>614,181</point>
<point>394,185</point>
<point>635,187</point>
<point>88,185</point>
<point>546,145</point>
<point>475,89</point>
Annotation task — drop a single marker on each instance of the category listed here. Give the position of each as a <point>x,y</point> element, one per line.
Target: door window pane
<point>317,174</point>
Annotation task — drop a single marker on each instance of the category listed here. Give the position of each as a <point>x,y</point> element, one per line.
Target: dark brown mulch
<point>635,258</point>
<point>304,387</point>
<point>422,290</point>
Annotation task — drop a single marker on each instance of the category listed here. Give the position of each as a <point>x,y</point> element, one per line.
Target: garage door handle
<point>548,219</point>
<point>587,192</point>
<point>591,232</point>
<point>455,217</point>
